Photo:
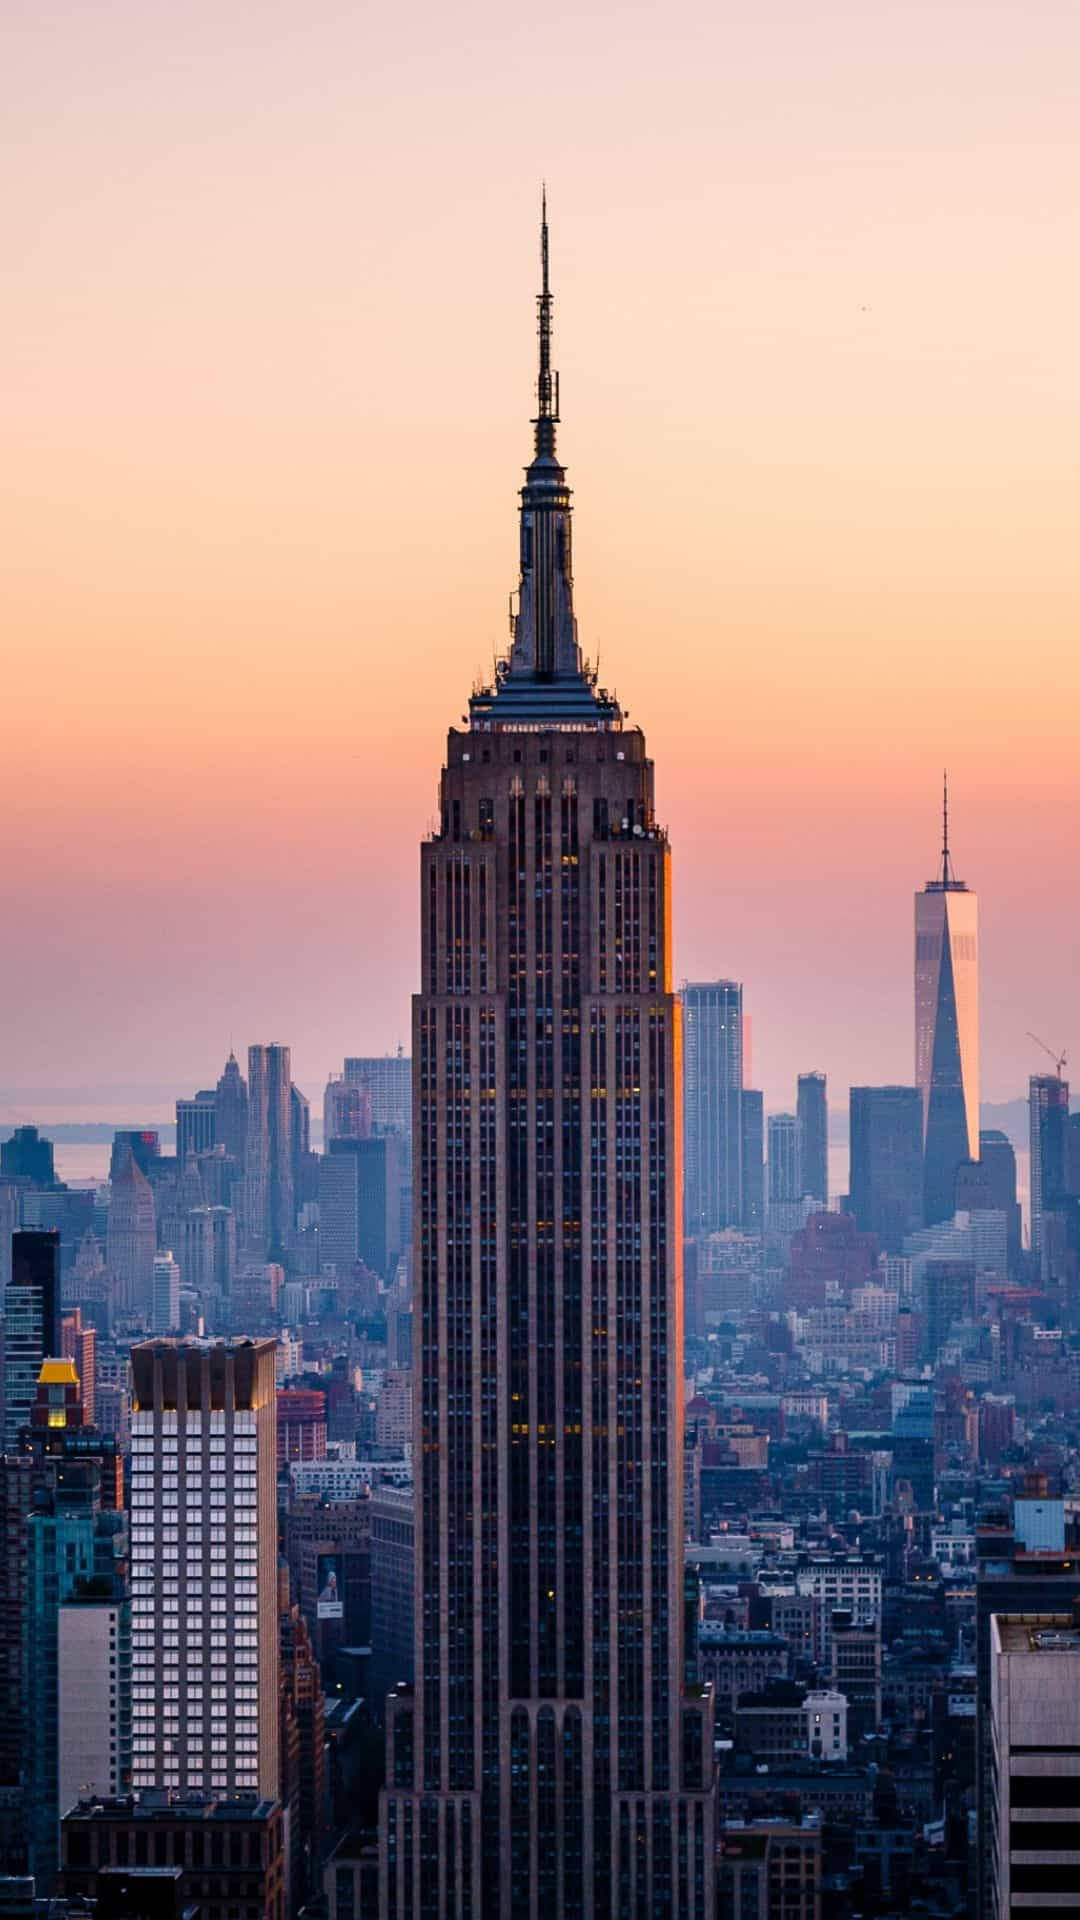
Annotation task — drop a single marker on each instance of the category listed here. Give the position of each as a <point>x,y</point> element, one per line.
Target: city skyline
<point>227,556</point>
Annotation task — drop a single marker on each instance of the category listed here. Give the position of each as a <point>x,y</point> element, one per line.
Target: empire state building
<point>554,1759</point>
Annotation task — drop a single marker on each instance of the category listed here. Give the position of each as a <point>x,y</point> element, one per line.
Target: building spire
<point>945,874</point>
<point>547,386</point>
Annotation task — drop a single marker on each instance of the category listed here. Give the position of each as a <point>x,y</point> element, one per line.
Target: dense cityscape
<point>534,1490</point>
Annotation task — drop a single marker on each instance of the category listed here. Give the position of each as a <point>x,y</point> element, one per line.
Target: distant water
<point>84,1163</point>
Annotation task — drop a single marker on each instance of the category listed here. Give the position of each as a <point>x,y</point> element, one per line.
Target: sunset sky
<point>268,333</point>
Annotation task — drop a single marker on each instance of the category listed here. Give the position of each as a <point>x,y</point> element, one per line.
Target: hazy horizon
<point>270,326</point>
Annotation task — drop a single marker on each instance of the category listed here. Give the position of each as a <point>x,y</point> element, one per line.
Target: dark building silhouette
<point>886,1176</point>
<point>230,1112</point>
<point>813,1116</point>
<point>1048,1115</point>
<point>753,1162</point>
<point>144,1145</point>
<point>31,1325</point>
<point>28,1156</point>
<point>555,1754</point>
<point>196,1125</point>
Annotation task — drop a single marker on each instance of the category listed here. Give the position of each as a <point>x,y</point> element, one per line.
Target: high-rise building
<point>79,1344</point>
<point>1031,1567</point>
<point>553,1757</point>
<point>886,1176</point>
<point>753,1162</point>
<point>712,1014</point>
<point>392,1584</point>
<point>196,1125</point>
<point>131,1238</point>
<point>346,1111</point>
<point>269,1184</point>
<point>31,1325</point>
<point>988,1185</point>
<point>1035,1742</point>
<point>784,1179</point>
<point>946,1030</point>
<point>74,1550</point>
<point>204,1567</point>
<point>387,1080</point>
<point>360,1184</point>
<point>165,1317</point>
<point>143,1143</point>
<point>27,1156</point>
<point>813,1115</point>
<point>1048,1115</point>
<point>231,1105</point>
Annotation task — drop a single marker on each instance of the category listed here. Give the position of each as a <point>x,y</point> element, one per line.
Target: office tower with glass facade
<point>554,1756</point>
<point>387,1081</point>
<point>31,1325</point>
<point>196,1125</point>
<point>753,1162</point>
<point>813,1116</point>
<point>204,1630</point>
<point>268,1218</point>
<point>1048,1117</point>
<point>886,1162</point>
<point>946,1031</point>
<point>712,1105</point>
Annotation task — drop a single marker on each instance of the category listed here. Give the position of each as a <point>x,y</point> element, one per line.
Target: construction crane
<point>1060,1060</point>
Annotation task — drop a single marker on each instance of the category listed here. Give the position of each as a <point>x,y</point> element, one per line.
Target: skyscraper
<point>387,1080</point>
<point>204,1567</point>
<point>231,1104</point>
<point>131,1238</point>
<point>946,1030</point>
<point>31,1325</point>
<point>784,1181</point>
<point>886,1162</point>
<point>813,1115</point>
<point>269,1184</point>
<point>753,1162</point>
<point>79,1343</point>
<point>28,1156</point>
<point>165,1317</point>
<point>1048,1115</point>
<point>550,1760</point>
<point>196,1125</point>
<point>712,1105</point>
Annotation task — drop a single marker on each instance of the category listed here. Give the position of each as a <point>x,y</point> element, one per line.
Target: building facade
<point>204,1567</point>
<point>946,1031</point>
<point>552,1758</point>
<point>712,1105</point>
<point>813,1116</point>
<point>1034,1861</point>
<point>268,1187</point>
<point>886,1125</point>
<point>1048,1117</point>
<point>131,1238</point>
<point>31,1325</point>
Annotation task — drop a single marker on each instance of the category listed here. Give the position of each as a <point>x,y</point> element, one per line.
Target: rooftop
<point>1037,1633</point>
<point>152,1803</point>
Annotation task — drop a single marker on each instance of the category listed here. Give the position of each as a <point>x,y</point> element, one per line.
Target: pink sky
<point>268,334</point>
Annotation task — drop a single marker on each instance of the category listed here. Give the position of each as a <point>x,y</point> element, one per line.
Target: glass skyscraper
<point>712,1106</point>
<point>946,1031</point>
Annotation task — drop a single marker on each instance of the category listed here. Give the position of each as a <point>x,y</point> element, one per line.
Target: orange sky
<point>268,332</point>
